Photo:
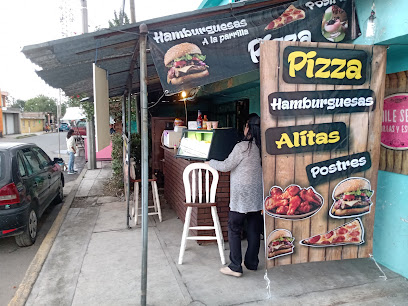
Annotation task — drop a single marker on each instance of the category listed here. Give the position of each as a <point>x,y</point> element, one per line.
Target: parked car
<point>64,127</point>
<point>29,182</point>
<point>80,128</point>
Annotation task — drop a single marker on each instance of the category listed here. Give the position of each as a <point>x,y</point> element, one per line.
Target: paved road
<point>14,260</point>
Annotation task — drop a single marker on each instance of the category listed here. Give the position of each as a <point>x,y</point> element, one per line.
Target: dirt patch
<point>111,189</point>
<point>85,202</point>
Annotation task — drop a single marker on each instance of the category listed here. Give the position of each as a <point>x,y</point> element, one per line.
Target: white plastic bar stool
<point>209,201</point>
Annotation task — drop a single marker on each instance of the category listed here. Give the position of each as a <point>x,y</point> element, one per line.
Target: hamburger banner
<point>321,124</point>
<point>200,53</point>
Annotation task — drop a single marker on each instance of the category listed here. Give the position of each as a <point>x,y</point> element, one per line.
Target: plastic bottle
<point>199,121</point>
<point>205,122</point>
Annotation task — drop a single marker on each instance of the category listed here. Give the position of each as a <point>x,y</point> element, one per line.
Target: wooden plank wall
<point>394,160</point>
<point>283,170</point>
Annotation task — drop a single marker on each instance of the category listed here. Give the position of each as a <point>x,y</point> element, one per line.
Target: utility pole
<point>123,13</point>
<point>90,128</point>
<point>132,12</point>
<point>84,11</point>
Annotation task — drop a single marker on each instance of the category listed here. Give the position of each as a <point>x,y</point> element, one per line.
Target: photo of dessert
<point>334,24</point>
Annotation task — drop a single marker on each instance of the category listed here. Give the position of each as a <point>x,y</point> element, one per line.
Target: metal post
<point>59,123</point>
<point>90,135</point>
<point>128,157</point>
<point>137,114</point>
<point>145,157</point>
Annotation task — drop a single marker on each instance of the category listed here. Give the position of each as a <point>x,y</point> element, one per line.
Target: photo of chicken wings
<point>293,203</point>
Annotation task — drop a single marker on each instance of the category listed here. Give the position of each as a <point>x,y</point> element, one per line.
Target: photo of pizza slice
<point>349,233</point>
<point>290,15</point>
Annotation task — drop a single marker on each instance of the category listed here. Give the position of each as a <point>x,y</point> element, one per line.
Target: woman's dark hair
<point>69,134</point>
<point>254,131</point>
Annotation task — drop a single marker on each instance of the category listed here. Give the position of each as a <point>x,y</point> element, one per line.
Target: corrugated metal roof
<point>67,63</point>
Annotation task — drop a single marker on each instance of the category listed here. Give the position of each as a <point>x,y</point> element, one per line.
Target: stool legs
<point>156,200</point>
<point>218,233</point>
<point>135,213</point>
<point>185,234</point>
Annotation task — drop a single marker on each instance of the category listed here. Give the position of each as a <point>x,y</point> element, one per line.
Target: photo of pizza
<point>290,15</point>
<point>349,233</point>
<point>294,203</point>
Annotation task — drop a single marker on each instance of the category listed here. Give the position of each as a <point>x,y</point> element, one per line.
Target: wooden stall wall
<point>395,160</point>
<point>364,130</point>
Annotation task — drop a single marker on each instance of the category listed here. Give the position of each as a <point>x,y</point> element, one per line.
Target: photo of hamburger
<point>280,242</point>
<point>352,197</point>
<point>185,63</point>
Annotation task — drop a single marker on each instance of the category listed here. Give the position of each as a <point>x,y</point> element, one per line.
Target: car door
<point>39,179</point>
<point>51,168</point>
<point>23,182</point>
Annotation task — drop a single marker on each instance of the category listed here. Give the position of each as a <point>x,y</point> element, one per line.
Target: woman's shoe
<point>228,271</point>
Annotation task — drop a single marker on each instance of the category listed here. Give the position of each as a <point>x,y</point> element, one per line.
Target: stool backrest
<point>190,188</point>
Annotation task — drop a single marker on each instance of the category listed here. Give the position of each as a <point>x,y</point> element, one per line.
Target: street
<point>15,260</point>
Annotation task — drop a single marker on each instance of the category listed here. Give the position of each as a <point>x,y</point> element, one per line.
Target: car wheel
<point>29,235</point>
<point>60,196</point>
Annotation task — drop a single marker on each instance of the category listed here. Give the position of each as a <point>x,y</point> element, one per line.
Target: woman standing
<point>246,201</point>
<point>71,148</point>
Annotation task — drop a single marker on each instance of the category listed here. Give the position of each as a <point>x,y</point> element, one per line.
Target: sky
<point>27,22</point>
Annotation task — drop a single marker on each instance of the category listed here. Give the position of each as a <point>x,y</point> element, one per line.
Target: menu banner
<point>324,66</point>
<point>306,138</point>
<point>324,171</point>
<point>322,102</point>
<point>321,148</point>
<point>198,53</point>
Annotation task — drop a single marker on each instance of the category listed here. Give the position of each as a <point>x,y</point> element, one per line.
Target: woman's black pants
<point>235,226</point>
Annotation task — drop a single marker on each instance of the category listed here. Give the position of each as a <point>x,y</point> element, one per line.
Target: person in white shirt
<point>71,148</point>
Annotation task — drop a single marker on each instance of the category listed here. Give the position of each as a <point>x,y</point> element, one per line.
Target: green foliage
<point>44,104</point>
<point>117,156</point>
<point>19,104</point>
<point>117,21</point>
<point>117,159</point>
<point>74,101</point>
<point>86,106</point>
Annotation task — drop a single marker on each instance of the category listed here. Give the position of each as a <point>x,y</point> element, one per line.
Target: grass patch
<point>25,136</point>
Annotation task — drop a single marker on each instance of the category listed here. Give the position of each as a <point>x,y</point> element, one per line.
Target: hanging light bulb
<point>371,23</point>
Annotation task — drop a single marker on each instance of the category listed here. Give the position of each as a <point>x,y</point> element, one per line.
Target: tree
<point>117,21</point>
<point>44,104</point>
<point>19,104</point>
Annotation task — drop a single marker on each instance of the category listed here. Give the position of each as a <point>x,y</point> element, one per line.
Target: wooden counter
<point>174,193</point>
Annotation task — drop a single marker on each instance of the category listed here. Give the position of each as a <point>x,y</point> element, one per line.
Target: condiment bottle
<point>205,122</point>
<point>199,121</point>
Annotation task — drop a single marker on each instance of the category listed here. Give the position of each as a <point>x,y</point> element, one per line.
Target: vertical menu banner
<point>321,126</point>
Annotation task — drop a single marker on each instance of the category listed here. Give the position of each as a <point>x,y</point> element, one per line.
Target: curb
<point>24,289</point>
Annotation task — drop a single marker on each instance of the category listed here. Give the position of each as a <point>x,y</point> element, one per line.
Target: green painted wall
<point>391,222</point>
<point>391,29</point>
<point>212,3</point>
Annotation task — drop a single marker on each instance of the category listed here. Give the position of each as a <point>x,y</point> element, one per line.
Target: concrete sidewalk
<point>96,260</point>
